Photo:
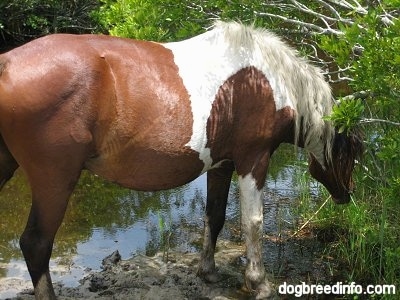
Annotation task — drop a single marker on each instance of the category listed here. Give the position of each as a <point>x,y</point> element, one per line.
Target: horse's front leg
<point>252,205</point>
<point>218,183</point>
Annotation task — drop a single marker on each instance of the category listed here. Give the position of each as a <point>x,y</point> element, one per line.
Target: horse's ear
<point>356,138</point>
<point>348,147</point>
<point>339,142</point>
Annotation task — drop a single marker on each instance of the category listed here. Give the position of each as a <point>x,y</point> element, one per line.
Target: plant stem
<point>310,219</point>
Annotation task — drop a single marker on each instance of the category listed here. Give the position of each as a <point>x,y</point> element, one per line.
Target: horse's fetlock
<point>257,283</point>
<point>254,275</point>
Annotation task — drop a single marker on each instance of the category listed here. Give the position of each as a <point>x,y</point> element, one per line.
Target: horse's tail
<point>8,164</point>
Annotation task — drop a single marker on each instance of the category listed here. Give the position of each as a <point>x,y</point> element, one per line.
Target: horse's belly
<point>148,170</point>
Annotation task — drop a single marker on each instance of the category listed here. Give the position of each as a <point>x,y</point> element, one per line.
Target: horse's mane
<point>304,84</point>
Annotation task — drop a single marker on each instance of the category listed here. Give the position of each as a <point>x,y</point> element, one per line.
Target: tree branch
<point>315,29</point>
<point>358,95</point>
<point>321,17</point>
<point>371,120</point>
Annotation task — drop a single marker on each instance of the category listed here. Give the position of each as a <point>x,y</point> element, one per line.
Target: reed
<point>165,232</point>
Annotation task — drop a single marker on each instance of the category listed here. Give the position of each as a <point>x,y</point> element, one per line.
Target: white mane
<point>303,83</point>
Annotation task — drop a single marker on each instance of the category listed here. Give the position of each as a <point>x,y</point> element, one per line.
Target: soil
<point>144,277</point>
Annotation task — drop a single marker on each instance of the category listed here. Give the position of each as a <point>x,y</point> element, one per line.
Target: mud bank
<point>148,278</point>
<point>143,277</point>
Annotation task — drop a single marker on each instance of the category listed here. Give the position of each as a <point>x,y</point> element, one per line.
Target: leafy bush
<point>23,20</point>
<point>346,115</point>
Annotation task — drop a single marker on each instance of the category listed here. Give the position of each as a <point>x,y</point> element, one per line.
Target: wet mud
<point>144,277</point>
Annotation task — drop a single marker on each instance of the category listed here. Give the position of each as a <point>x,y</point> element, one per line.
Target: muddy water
<point>102,218</point>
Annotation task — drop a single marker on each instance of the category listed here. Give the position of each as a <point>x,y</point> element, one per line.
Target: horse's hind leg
<point>218,183</point>
<point>51,186</point>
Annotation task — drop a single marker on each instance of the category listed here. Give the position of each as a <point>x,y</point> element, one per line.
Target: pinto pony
<point>153,116</point>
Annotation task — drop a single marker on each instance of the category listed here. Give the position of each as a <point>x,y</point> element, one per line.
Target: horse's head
<point>336,176</point>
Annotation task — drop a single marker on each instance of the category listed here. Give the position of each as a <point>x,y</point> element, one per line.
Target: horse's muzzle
<point>343,199</point>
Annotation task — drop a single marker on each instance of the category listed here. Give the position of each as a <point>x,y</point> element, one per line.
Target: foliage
<point>147,20</point>
<point>369,51</point>
<point>23,20</point>
<point>346,115</point>
<point>168,20</point>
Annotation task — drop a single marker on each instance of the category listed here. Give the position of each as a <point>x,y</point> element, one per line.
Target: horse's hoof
<point>210,277</point>
<point>265,291</point>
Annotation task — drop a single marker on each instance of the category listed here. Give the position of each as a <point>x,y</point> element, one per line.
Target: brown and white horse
<point>153,116</point>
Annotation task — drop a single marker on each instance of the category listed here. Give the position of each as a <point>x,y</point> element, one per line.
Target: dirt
<point>144,277</point>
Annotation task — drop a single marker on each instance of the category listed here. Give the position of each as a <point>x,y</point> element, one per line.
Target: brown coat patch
<point>122,100</point>
<point>244,123</point>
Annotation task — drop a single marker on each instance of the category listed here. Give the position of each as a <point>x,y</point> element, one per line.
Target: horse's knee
<point>25,243</point>
<point>33,241</point>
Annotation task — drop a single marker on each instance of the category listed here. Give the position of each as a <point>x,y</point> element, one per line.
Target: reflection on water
<point>102,218</point>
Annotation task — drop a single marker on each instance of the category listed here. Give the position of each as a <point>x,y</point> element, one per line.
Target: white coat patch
<point>206,61</point>
<point>251,201</point>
